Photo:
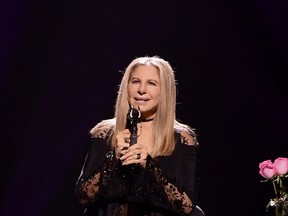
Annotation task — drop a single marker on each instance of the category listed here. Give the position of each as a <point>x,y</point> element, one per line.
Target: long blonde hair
<point>164,121</point>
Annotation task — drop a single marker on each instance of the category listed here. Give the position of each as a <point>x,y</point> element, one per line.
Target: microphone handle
<point>133,138</point>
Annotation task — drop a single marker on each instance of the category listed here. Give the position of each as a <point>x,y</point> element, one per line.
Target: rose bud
<point>266,169</point>
<point>281,166</point>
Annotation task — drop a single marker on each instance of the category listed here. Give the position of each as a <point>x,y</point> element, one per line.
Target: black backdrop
<point>61,63</point>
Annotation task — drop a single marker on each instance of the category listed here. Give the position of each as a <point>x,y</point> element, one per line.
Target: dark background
<point>61,64</point>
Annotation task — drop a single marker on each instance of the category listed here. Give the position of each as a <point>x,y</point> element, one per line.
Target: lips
<point>141,100</point>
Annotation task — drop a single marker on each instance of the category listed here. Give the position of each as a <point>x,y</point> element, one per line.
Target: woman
<point>156,175</point>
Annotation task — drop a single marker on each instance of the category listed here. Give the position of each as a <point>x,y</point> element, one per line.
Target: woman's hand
<point>135,154</point>
<point>123,143</point>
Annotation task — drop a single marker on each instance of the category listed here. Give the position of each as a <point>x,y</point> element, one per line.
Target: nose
<point>142,88</point>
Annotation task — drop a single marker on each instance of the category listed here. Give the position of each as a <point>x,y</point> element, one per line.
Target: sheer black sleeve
<point>174,186</point>
<point>98,159</point>
<point>104,179</point>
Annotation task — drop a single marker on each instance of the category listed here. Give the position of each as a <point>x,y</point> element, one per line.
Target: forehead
<point>145,71</point>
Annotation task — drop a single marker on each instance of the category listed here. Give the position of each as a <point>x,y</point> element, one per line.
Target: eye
<point>153,83</point>
<point>134,81</point>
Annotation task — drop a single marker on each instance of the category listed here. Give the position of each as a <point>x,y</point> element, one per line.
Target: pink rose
<point>281,165</point>
<point>267,169</point>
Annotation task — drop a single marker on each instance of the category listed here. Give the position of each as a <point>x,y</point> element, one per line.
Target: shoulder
<point>186,134</point>
<point>103,129</point>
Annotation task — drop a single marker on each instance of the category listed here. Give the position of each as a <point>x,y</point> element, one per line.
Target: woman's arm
<point>97,159</point>
<point>103,175</point>
<point>180,194</point>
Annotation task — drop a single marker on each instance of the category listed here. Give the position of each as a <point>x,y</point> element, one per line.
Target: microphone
<point>133,117</point>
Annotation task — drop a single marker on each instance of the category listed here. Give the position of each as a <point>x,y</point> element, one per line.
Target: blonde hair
<point>165,120</point>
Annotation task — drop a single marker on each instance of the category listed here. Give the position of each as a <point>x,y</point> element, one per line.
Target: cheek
<point>157,94</point>
<point>130,90</point>
<point>157,97</point>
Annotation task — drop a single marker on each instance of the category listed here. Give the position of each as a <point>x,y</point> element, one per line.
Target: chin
<point>147,112</point>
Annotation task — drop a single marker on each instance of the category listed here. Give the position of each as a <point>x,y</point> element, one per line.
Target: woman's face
<point>144,90</point>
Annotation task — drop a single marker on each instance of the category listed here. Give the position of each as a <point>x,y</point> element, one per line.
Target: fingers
<point>123,140</point>
<point>136,154</point>
<point>127,140</point>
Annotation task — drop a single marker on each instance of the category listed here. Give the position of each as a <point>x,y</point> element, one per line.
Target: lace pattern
<point>163,193</point>
<point>113,184</point>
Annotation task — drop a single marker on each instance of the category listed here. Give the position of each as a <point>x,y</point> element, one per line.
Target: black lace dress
<point>107,188</point>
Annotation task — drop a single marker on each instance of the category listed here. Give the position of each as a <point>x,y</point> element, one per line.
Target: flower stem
<point>275,189</point>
